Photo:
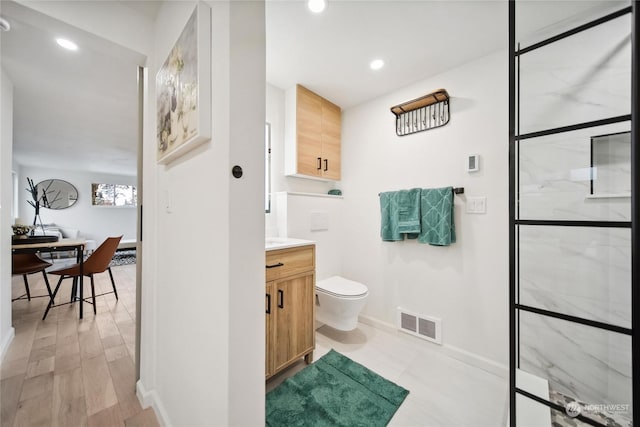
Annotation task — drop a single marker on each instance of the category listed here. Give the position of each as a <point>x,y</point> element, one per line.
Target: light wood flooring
<point>64,371</point>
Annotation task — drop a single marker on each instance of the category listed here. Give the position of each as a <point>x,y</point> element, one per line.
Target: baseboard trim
<point>378,324</point>
<point>6,342</point>
<point>465,356</point>
<point>151,398</point>
<point>478,361</point>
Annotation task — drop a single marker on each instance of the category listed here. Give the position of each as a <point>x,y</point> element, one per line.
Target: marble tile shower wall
<point>584,272</point>
<point>591,365</point>
<point>578,79</point>
<point>555,178</point>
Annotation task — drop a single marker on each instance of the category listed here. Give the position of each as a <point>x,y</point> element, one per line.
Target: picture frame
<point>183,89</point>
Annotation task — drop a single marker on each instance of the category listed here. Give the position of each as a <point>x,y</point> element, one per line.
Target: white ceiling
<point>72,110</point>
<point>78,110</point>
<point>330,52</point>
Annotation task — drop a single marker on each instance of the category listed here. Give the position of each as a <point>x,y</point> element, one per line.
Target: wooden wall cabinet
<point>289,307</point>
<point>312,137</point>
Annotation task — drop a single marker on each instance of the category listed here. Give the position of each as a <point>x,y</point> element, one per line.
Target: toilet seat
<point>340,287</point>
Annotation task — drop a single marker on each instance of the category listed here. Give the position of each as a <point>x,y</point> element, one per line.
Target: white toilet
<point>339,301</point>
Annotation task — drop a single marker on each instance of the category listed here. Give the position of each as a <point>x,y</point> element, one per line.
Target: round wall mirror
<point>56,194</point>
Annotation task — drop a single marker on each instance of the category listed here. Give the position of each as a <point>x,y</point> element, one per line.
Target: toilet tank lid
<point>341,286</point>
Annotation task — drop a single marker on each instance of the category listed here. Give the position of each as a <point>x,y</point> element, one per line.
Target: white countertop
<point>273,243</point>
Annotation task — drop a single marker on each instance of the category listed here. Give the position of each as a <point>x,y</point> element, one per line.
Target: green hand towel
<point>389,217</point>
<point>409,211</point>
<point>436,206</point>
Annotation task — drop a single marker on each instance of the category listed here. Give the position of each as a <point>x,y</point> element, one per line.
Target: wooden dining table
<point>62,245</point>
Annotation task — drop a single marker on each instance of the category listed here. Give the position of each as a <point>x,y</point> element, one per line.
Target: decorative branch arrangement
<point>33,190</point>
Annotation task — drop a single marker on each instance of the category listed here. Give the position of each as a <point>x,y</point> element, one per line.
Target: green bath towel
<point>438,228</point>
<point>389,217</point>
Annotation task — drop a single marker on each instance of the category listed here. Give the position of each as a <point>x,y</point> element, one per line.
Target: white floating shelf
<point>608,196</point>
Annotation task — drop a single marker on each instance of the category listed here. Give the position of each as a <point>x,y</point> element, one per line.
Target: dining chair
<point>98,262</point>
<point>29,264</point>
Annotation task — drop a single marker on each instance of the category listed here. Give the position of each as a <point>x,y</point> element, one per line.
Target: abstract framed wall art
<point>183,89</point>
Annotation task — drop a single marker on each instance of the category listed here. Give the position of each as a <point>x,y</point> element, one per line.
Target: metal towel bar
<point>455,190</point>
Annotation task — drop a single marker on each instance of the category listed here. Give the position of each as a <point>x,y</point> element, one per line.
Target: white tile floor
<point>442,391</point>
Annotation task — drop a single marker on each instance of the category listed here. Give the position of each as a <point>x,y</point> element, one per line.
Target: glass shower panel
<point>588,365</point>
<point>540,20</point>
<point>572,175</point>
<point>571,240</point>
<point>581,78</point>
<point>578,271</point>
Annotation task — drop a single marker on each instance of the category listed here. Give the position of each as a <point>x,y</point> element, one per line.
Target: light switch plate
<point>477,205</point>
<point>473,163</point>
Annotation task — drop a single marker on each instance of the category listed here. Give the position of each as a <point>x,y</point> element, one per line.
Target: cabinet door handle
<point>326,165</point>
<point>275,265</point>
<point>280,298</point>
<point>268,303</point>
<point>319,163</point>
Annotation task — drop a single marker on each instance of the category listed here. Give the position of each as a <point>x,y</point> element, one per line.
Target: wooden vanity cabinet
<point>289,307</point>
<point>313,136</point>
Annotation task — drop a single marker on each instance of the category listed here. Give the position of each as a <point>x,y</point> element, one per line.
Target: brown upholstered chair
<point>98,262</point>
<point>29,264</point>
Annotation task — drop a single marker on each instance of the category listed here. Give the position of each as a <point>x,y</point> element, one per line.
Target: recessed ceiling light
<point>316,6</point>
<point>376,64</point>
<point>67,44</point>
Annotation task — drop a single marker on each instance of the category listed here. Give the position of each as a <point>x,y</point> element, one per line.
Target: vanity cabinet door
<point>309,132</point>
<point>292,303</point>
<point>331,133</point>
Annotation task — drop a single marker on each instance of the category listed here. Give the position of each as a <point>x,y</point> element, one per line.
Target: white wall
<point>465,284</point>
<point>207,336</point>
<point>203,269</point>
<point>6,195</point>
<point>93,222</point>
<point>247,73</point>
<point>317,218</point>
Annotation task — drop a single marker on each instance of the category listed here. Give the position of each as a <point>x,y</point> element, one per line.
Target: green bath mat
<point>334,391</point>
